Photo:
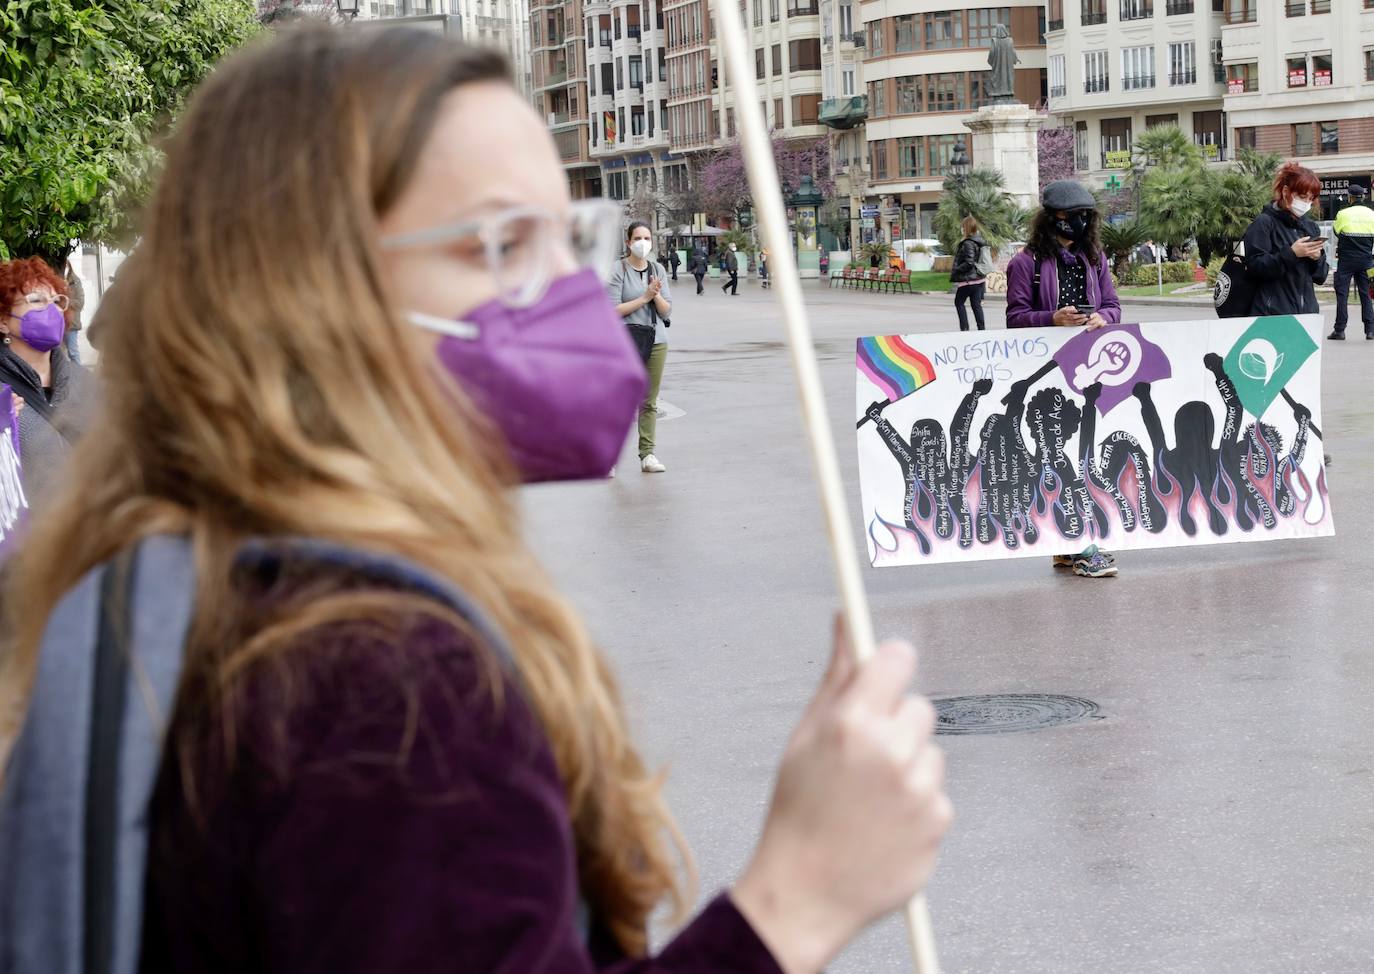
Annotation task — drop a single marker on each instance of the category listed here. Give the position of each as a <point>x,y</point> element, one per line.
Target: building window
<point>945,92</point>
<point>1321,70</point>
<point>758,13</point>
<point>1242,11</point>
<point>773,15</point>
<point>1095,78</point>
<point>848,77</point>
<point>1209,132</point>
<point>875,38</point>
<point>910,157</point>
<point>806,109</point>
<point>1245,137</point>
<point>1080,146</point>
<point>878,159</point>
<point>637,73</point>
<point>805,55</point>
<point>730,122</point>
<point>1056,17</point>
<point>1058,76</point>
<point>1137,68</point>
<point>1094,12</point>
<point>1369,63</point>
<point>637,121</point>
<point>981,23</point>
<point>908,95</point>
<point>1330,135</point>
<point>846,21</point>
<point>945,29</point>
<point>777,60</point>
<point>906,28</point>
<point>802,8</point>
<point>1175,7</point>
<point>759,71</point>
<point>1295,8</point>
<point>877,99</point>
<point>978,82</point>
<point>939,148</point>
<point>1242,78</point>
<point>663,66</point>
<point>1297,72</point>
<point>1322,6</point>
<point>1137,9</point>
<point>1311,138</point>
<point>1116,143</point>
<point>1183,63</point>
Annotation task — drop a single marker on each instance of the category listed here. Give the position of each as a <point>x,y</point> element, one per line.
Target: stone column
<point>1005,139</point>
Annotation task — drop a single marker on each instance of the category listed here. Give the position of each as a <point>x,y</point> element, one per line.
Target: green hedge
<point>1176,272</point>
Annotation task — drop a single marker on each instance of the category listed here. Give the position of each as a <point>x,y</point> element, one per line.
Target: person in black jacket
<point>969,273</point>
<point>1285,255</point>
<point>698,267</point>
<point>674,261</point>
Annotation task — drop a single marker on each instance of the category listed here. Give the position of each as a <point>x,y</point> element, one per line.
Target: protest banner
<point>1042,441</point>
<point>14,505</point>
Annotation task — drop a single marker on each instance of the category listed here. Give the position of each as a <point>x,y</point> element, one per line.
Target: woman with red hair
<point>56,392</point>
<point>1285,255</point>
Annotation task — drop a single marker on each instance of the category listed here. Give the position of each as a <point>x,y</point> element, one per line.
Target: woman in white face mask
<point>1285,255</point>
<point>639,288</point>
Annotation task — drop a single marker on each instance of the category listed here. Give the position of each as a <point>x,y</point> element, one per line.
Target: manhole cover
<point>1003,713</point>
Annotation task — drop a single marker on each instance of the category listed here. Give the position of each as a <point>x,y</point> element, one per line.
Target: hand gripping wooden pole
<point>768,209</point>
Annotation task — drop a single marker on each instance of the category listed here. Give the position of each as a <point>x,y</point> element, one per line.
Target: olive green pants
<point>648,413</point>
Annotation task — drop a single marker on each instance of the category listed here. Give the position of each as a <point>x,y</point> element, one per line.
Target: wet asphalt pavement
<point>1218,816</point>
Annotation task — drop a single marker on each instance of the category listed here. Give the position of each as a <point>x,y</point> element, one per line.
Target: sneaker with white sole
<point>1068,561</point>
<point>652,464</point>
<point>1095,564</point>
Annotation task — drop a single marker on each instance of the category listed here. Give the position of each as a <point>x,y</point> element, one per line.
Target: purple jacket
<point>385,813</point>
<point>1025,310</point>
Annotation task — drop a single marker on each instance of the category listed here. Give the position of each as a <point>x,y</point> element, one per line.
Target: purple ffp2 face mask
<point>43,329</point>
<point>561,378</point>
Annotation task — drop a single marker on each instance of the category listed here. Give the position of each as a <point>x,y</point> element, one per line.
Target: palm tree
<point>1172,203</point>
<point>982,195</point>
<point>1120,240</point>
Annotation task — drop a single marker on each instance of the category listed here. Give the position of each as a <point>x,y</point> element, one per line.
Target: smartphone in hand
<point>1086,310</point>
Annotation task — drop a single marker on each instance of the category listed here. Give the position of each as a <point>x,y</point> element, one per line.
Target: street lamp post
<point>807,201</point>
<point>348,9</point>
<point>958,163</point>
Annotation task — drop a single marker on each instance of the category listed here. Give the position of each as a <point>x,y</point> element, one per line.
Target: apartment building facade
<point>627,88</point>
<point>1300,82</point>
<point>924,71</point>
<point>1118,67</point>
<point>503,24</point>
<point>559,72</point>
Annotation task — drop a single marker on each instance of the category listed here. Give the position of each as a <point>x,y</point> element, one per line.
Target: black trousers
<point>1343,281</point>
<point>732,285</point>
<point>699,278</point>
<point>972,293</point>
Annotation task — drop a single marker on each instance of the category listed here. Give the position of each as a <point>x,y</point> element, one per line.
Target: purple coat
<point>1025,310</point>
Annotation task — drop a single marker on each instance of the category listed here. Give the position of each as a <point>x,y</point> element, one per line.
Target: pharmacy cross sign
<point>1113,183</point>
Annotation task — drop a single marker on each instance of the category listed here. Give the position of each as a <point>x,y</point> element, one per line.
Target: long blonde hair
<point>258,384</point>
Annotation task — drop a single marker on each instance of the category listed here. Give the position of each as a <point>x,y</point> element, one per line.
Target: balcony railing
<point>1058,91</point>
<point>1137,82</point>
<point>632,31</point>
<point>1175,7</point>
<point>1184,78</point>
<point>1054,25</point>
<point>1295,8</point>
<point>1219,74</point>
<point>1321,6</point>
<point>1136,10</point>
<point>1238,13</point>
<point>1092,19</point>
<point>1094,86</point>
<point>844,113</point>
<point>556,77</point>
<point>859,39</point>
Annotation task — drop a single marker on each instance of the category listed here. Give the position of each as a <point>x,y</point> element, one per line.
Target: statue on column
<point>1002,59</point>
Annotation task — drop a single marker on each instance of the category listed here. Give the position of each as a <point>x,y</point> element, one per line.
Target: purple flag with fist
<point>1117,356</point>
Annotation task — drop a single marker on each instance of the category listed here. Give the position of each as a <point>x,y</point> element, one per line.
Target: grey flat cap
<point>1067,194</point>
<point>1356,189</point>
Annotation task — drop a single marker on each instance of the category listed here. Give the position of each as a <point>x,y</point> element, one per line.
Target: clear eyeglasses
<point>40,299</point>
<point>526,247</point>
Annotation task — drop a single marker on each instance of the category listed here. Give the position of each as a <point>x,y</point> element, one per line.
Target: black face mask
<point>1074,226</point>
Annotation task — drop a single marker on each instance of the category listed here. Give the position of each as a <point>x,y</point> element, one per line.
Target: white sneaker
<point>652,464</point>
<point>611,475</point>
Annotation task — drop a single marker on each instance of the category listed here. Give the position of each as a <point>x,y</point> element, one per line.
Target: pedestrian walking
<point>972,265</point>
<point>1062,279</point>
<point>76,303</point>
<point>1285,256</point>
<point>58,395</point>
<point>390,743</point>
<point>730,266</point>
<point>1145,253</point>
<point>674,262</point>
<point>642,298</point>
<point>763,270</point>
<point>1354,229</point>
<point>698,268</point>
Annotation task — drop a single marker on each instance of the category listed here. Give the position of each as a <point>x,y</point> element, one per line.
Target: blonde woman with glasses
<point>391,744</point>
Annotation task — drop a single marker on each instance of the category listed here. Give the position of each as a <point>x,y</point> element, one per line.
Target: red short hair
<point>1297,180</point>
<point>19,277</point>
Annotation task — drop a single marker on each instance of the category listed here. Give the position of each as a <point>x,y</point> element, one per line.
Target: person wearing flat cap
<point>1062,278</point>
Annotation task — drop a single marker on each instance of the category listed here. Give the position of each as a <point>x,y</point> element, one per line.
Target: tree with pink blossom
<point>724,181</point>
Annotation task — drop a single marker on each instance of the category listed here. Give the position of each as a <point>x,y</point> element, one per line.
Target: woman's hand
<point>1095,321</point>
<point>1309,247</point>
<point>651,291</point>
<point>1068,315</point>
<point>858,812</point>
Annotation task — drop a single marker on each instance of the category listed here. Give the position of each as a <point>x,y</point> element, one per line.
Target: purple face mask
<point>561,378</point>
<point>43,329</point>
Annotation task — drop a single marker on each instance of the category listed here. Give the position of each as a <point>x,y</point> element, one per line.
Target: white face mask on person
<point>641,248</point>
<point>1300,207</point>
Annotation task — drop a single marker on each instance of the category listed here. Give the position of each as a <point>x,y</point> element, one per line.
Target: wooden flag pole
<point>772,220</point>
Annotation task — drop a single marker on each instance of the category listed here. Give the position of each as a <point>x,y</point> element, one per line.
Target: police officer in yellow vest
<point>1354,229</point>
